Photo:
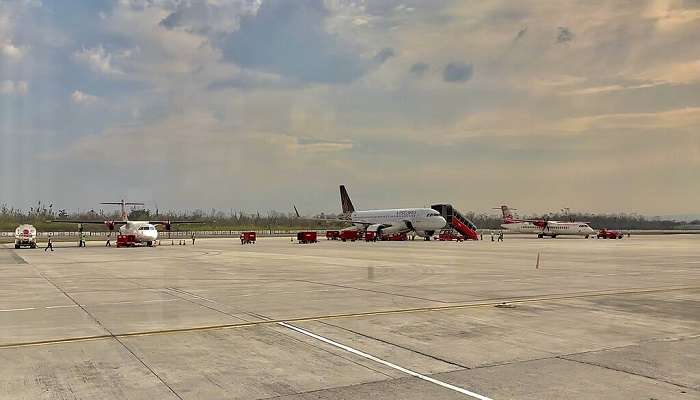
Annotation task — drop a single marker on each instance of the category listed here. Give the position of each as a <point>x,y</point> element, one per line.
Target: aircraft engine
<point>381,229</point>
<point>425,234</point>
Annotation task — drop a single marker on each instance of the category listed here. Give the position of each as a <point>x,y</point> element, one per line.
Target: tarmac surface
<point>598,319</point>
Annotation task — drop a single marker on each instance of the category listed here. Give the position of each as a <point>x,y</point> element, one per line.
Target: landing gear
<point>17,246</point>
<point>554,236</point>
<point>540,236</point>
<point>586,236</point>
<point>149,244</point>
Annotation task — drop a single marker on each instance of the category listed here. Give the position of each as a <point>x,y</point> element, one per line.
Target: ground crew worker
<point>192,238</point>
<point>109,240</point>
<point>492,236</point>
<point>49,245</point>
<point>500,237</point>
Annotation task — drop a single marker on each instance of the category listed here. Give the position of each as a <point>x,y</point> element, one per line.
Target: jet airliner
<point>424,222</point>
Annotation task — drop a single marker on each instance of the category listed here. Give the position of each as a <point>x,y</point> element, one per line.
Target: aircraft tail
<point>345,202</point>
<point>123,205</point>
<point>507,213</point>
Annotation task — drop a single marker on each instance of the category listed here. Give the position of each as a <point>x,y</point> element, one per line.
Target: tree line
<point>274,220</point>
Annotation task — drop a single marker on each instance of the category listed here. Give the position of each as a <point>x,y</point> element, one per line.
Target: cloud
<point>82,98</point>
<point>457,72</point>
<point>9,50</point>
<point>384,54</point>
<point>612,88</point>
<point>419,69</point>
<point>674,73</point>
<point>14,87</point>
<point>209,17</point>
<point>564,35</point>
<point>683,118</point>
<point>671,15</point>
<point>289,38</point>
<point>98,60</point>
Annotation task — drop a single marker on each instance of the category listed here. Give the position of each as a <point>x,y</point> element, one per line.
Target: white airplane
<point>424,222</point>
<point>142,232</point>
<point>543,227</point>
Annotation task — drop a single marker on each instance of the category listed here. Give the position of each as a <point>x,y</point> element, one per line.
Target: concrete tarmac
<point>612,319</point>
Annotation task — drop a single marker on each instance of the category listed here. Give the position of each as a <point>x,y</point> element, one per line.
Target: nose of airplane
<point>440,221</point>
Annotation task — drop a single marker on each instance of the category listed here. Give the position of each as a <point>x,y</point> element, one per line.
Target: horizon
<point>263,212</point>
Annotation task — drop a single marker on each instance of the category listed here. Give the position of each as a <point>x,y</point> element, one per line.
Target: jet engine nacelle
<point>425,234</point>
<point>381,229</point>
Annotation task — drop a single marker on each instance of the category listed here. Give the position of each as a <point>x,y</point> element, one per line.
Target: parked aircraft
<point>424,222</point>
<point>543,227</point>
<point>143,232</point>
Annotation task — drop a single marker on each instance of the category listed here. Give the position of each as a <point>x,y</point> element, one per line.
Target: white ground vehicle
<point>25,235</point>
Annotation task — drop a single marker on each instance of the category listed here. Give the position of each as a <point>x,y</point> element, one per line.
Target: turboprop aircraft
<point>543,227</point>
<point>144,232</point>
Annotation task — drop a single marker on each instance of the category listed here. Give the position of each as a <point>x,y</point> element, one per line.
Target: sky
<point>261,104</point>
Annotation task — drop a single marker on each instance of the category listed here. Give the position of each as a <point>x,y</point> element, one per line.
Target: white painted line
<point>383,362</point>
<point>66,306</point>
<point>18,309</point>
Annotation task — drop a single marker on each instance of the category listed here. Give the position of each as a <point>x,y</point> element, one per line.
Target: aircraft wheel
<point>149,244</point>
<point>554,236</point>
<point>540,236</point>
<point>586,236</point>
<point>17,246</point>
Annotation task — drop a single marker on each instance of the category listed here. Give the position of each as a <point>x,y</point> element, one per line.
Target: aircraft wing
<point>72,221</point>
<point>175,222</point>
<point>348,220</point>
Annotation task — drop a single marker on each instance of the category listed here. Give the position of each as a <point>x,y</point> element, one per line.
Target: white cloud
<point>98,59</point>
<point>678,119</point>
<point>670,14</point>
<point>14,87</point>
<point>613,88</point>
<point>674,73</point>
<point>82,98</point>
<point>9,50</point>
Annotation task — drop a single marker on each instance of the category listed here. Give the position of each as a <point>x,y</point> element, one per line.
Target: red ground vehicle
<point>332,235</point>
<point>396,237</point>
<point>449,235</point>
<point>350,234</point>
<point>609,234</point>
<point>370,236</point>
<point>126,240</point>
<point>307,237</point>
<point>248,237</point>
